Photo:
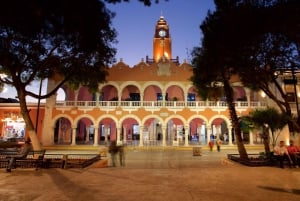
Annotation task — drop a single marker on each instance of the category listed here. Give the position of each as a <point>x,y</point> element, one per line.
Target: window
<point>191,97</point>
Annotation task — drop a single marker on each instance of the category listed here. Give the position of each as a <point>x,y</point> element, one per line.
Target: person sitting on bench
<point>20,155</point>
<point>294,150</point>
<point>282,153</point>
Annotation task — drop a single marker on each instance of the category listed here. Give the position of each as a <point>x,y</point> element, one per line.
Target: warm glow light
<point>166,55</point>
<point>3,75</point>
<point>262,94</point>
<point>4,90</point>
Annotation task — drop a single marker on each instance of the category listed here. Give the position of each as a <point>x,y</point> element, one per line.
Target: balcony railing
<point>157,104</point>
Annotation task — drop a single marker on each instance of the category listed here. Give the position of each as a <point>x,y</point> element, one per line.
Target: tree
<point>40,39</point>
<point>261,48</point>
<point>268,120</point>
<point>212,67</point>
<point>241,38</point>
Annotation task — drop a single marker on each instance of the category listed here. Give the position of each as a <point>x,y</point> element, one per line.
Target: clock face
<point>162,33</point>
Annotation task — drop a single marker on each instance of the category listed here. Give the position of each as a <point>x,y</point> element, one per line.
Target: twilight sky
<point>135,24</point>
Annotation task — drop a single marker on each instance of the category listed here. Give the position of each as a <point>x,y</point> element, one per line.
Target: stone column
<point>247,90</point>
<point>105,133</point>
<point>87,137</point>
<point>141,97</point>
<point>124,134</point>
<point>141,136</point>
<point>218,131</point>
<point>73,136</point>
<point>186,135</point>
<point>209,131</point>
<point>96,137</point>
<point>163,128</point>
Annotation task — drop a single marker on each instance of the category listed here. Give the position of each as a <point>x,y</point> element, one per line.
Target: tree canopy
<point>267,119</point>
<point>40,39</point>
<point>243,35</point>
<point>252,39</point>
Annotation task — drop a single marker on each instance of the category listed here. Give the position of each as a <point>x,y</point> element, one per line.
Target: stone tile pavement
<point>155,175</point>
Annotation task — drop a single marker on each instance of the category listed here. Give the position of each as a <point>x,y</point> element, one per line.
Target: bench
<point>34,159</point>
<point>65,161</point>
<point>80,160</point>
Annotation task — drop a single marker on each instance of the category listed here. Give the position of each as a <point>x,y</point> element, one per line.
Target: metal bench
<point>34,159</point>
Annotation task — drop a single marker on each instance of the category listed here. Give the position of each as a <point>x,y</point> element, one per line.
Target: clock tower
<point>162,44</point>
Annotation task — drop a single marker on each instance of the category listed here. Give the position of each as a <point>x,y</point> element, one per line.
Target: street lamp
<point>38,107</point>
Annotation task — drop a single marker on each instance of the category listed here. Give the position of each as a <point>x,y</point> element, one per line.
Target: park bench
<point>80,160</point>
<point>34,159</point>
<point>65,161</point>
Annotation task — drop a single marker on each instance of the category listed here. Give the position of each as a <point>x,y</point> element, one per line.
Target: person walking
<point>211,145</point>
<point>113,149</point>
<point>219,143</point>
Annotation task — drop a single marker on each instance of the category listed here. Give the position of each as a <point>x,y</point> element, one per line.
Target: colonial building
<point>150,103</point>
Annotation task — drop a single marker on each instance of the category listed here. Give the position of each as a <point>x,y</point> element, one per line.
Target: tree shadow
<point>70,187</point>
<point>282,190</point>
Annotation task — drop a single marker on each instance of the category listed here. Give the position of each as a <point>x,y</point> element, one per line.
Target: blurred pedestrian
<point>113,149</point>
<point>219,143</point>
<point>211,145</point>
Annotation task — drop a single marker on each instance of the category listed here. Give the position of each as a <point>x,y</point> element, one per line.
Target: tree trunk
<point>28,122</point>
<point>266,142</point>
<point>234,119</point>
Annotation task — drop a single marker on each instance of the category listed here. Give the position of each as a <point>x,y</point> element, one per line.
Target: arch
<point>151,116</point>
<point>219,116</point>
<point>154,83</point>
<point>130,132</point>
<point>180,85</point>
<point>133,93</point>
<point>60,116</point>
<point>127,83</point>
<point>62,132</point>
<point>61,94</point>
<point>84,116</point>
<point>197,116</point>
<point>223,131</point>
<point>105,117</point>
<point>107,128</point>
<point>84,94</point>
<point>109,92</point>
<point>152,93</point>
<point>85,129</point>
<point>112,83</point>
<point>175,117</point>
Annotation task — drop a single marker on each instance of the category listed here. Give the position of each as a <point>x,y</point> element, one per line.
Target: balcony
<point>157,105</point>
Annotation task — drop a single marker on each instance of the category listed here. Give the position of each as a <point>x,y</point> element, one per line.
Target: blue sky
<point>135,24</point>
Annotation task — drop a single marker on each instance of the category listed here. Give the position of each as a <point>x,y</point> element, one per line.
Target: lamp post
<point>38,106</point>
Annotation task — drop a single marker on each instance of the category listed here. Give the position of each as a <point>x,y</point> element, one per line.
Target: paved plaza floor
<point>155,175</point>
